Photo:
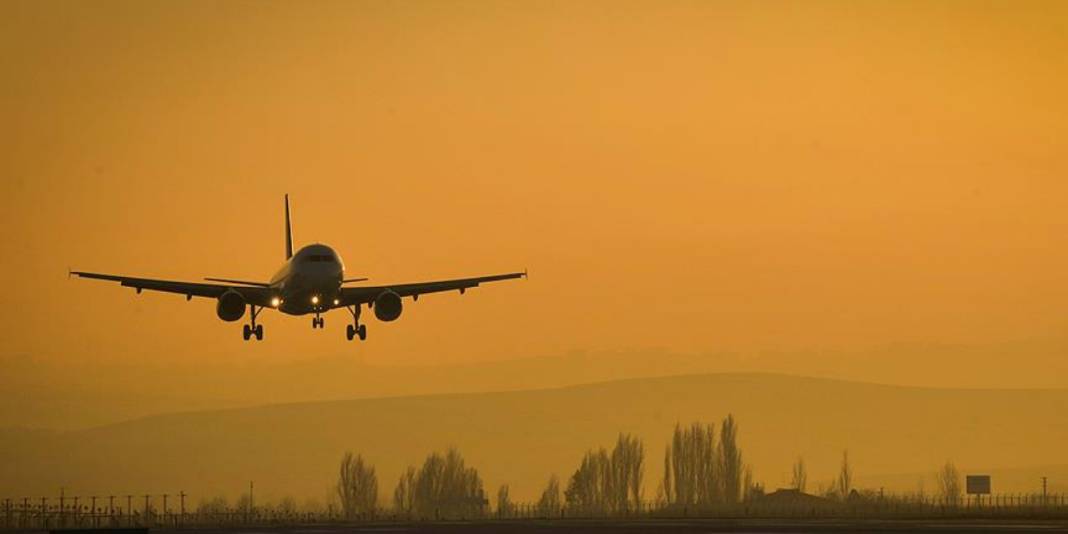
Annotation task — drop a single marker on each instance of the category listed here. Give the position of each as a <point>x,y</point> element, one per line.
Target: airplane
<point>311,281</point>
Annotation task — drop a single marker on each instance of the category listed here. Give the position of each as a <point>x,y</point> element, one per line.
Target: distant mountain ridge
<point>521,437</point>
<point>57,394</point>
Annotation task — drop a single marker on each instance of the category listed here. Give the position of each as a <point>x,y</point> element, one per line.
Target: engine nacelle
<point>231,306</point>
<point>388,306</point>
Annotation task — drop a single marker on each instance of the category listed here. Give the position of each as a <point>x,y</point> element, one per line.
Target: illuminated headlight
<point>315,299</point>
<point>336,302</point>
<point>275,301</point>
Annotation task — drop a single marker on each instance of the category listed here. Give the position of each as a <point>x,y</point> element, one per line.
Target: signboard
<point>977,484</point>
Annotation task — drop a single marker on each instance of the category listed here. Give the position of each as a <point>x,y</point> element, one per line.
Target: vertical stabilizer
<point>289,232</point>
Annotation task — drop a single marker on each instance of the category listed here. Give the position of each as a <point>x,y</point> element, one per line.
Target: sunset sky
<point>691,177</point>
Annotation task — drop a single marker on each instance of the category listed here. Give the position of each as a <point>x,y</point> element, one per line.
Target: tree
<point>505,508</point>
<point>730,461</point>
<point>698,471</point>
<point>214,506</point>
<point>404,493</point>
<point>666,491</point>
<point>625,476</point>
<point>244,505</point>
<point>287,506</point>
<point>949,483</point>
<point>608,483</point>
<point>443,487</point>
<point>845,477</point>
<point>690,466</point>
<point>585,491</point>
<point>357,486</point>
<point>800,479</point>
<point>549,503</point>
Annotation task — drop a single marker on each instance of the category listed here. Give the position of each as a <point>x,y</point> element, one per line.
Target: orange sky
<point>693,176</point>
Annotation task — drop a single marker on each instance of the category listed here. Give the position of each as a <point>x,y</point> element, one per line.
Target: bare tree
<point>698,471</point>
<point>609,483</point>
<point>800,479</point>
<point>949,483</point>
<point>690,467</point>
<point>730,461</point>
<point>625,478</point>
<point>213,506</point>
<point>585,491</point>
<point>666,492</point>
<point>404,493</point>
<point>443,487</point>
<point>287,506</point>
<point>505,508</point>
<point>845,477</point>
<point>357,486</point>
<point>549,503</point>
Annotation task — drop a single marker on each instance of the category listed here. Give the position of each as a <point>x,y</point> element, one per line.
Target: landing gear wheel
<point>362,331</point>
<point>253,329</point>
<point>350,332</point>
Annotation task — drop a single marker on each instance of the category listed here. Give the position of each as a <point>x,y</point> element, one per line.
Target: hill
<point>72,393</point>
<point>522,437</point>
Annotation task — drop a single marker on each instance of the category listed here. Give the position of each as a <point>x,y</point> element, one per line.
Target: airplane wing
<point>362,295</point>
<point>260,296</point>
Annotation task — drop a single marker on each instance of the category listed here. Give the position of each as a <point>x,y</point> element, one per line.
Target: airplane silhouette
<point>312,280</point>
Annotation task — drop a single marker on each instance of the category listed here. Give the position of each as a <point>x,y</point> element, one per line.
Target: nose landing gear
<point>253,329</point>
<point>317,321</point>
<point>355,328</point>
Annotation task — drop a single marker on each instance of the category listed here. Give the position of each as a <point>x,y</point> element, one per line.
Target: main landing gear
<point>317,321</point>
<point>355,328</point>
<point>253,329</point>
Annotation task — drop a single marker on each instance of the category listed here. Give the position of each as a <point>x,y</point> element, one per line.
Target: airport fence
<point>172,511</point>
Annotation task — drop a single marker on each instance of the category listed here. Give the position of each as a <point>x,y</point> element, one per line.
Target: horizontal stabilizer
<point>347,280</point>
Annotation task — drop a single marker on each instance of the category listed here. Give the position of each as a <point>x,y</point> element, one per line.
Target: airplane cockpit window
<point>320,258</point>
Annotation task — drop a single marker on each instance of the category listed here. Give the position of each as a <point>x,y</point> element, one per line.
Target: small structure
<point>977,484</point>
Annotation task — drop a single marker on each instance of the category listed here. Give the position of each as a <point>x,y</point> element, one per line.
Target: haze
<point>865,190</point>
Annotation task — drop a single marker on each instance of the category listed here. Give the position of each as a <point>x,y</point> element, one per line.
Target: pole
<point>181,518</point>
<point>1044,491</point>
<point>129,509</point>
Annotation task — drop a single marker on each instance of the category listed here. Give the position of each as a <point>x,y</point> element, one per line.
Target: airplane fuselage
<point>310,281</point>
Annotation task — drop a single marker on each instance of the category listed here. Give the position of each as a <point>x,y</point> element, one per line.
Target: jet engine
<point>387,306</point>
<point>231,306</point>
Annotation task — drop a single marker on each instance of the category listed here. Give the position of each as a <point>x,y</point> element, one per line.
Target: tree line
<point>703,468</point>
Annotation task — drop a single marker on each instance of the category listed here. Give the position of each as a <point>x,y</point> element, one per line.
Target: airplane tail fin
<point>289,232</point>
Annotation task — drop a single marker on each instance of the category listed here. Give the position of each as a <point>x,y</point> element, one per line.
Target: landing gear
<point>352,331</point>
<point>355,329</point>
<point>317,321</point>
<point>253,329</point>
